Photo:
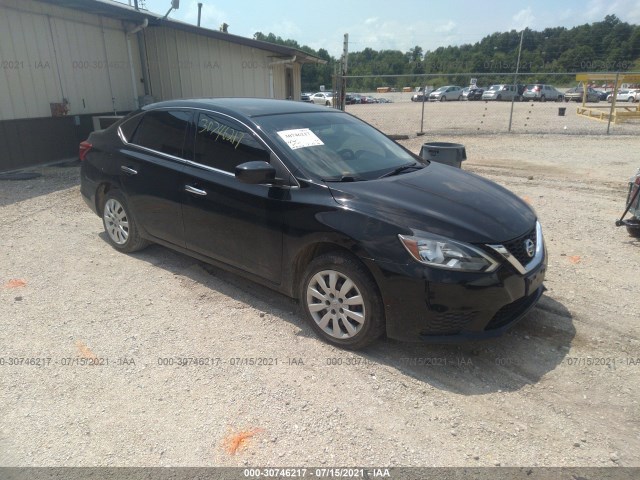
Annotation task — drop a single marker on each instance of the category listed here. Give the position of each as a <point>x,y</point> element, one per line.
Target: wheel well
<point>102,190</point>
<point>306,256</point>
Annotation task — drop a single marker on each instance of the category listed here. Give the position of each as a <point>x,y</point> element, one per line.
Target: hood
<point>442,200</point>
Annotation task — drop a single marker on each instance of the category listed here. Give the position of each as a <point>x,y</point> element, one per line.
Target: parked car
<point>384,100</point>
<point>446,93</point>
<point>419,97</point>
<point>542,93</point>
<point>576,93</point>
<point>625,96</point>
<point>323,98</point>
<point>501,92</point>
<point>367,99</point>
<point>318,205</point>
<point>475,94</point>
<point>356,98</point>
<point>305,97</point>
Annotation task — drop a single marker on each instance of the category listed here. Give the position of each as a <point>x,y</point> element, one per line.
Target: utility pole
<point>343,80</point>
<point>515,79</point>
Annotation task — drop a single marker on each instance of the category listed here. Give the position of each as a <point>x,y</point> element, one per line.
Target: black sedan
<point>320,206</point>
<point>475,94</point>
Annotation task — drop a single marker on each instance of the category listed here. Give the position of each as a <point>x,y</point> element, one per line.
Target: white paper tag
<point>300,138</point>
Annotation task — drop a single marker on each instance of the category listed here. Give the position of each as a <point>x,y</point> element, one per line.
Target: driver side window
<point>224,144</point>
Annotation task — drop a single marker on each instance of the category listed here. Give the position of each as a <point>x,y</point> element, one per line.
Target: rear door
<point>150,166</point>
<point>224,219</point>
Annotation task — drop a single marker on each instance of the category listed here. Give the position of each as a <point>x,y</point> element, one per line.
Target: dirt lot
<point>561,389</point>
<point>481,118</point>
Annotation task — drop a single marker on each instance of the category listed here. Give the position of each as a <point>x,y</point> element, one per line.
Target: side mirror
<point>256,173</point>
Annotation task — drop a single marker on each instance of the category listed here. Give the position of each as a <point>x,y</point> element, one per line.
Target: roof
<point>248,107</point>
<point>120,11</point>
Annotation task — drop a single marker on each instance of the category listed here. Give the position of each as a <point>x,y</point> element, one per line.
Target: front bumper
<point>440,306</point>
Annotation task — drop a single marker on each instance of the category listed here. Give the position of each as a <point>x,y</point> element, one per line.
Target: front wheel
<point>543,99</point>
<point>121,228</point>
<point>443,98</point>
<point>341,301</point>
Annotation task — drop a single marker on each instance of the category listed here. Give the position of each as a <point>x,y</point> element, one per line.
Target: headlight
<point>441,252</point>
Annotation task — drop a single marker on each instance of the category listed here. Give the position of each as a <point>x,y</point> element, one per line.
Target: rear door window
<point>163,131</point>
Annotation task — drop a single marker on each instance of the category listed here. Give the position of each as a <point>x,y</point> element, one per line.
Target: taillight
<point>84,149</point>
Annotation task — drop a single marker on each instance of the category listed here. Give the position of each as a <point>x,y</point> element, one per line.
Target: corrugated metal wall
<point>184,65</point>
<point>49,53</point>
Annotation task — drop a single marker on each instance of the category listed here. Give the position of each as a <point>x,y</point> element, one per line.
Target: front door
<point>232,222</point>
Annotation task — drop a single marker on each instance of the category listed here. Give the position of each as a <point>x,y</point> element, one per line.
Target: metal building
<point>62,62</point>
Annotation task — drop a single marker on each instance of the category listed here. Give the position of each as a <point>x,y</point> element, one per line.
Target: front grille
<point>517,249</point>
<point>510,311</point>
<point>449,323</point>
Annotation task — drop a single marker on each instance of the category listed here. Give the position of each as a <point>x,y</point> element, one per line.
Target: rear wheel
<point>341,301</point>
<point>121,228</point>
<point>460,98</point>
<point>543,98</point>
<point>630,99</point>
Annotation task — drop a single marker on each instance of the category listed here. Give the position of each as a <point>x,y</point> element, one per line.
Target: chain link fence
<point>457,114</point>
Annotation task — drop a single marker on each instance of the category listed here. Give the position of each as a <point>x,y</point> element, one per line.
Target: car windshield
<point>335,146</point>
<point>494,87</point>
<point>441,89</point>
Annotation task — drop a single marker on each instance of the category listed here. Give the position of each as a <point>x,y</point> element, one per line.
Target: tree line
<point>607,46</point>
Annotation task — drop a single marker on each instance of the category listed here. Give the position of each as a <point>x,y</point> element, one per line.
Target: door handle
<point>128,170</point>
<point>195,191</point>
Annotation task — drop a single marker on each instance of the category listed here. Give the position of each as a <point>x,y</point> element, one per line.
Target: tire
<point>327,104</point>
<point>499,97</point>
<point>630,99</point>
<point>543,98</point>
<point>443,98</point>
<point>460,98</point>
<point>634,229</point>
<point>323,297</point>
<point>119,224</point>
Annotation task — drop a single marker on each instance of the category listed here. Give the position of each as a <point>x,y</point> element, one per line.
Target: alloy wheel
<point>336,304</point>
<point>116,221</point>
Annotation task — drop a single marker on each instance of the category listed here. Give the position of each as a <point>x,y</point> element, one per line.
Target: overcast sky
<point>395,24</point>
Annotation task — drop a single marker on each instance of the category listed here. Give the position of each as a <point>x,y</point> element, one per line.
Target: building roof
<point>120,11</point>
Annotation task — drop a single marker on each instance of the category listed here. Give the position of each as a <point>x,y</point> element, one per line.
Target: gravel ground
<point>481,118</point>
<point>560,389</point>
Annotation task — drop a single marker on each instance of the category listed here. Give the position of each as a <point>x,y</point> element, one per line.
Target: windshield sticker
<point>300,138</point>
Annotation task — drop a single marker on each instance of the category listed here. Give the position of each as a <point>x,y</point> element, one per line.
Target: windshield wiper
<point>401,169</point>
<point>344,178</point>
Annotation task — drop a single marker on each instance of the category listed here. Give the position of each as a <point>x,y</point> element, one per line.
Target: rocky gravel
<point>560,389</point>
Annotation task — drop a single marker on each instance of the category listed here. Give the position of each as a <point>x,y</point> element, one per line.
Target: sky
<point>394,25</point>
